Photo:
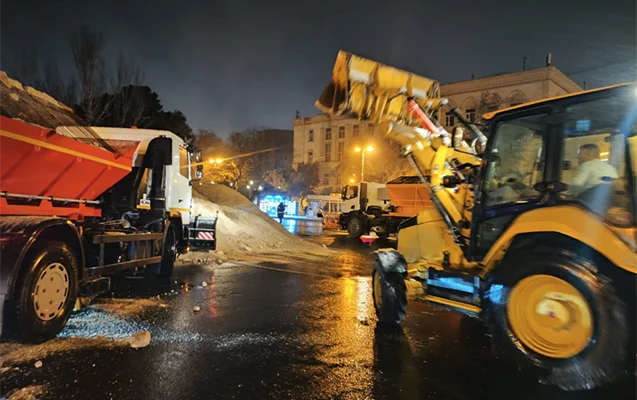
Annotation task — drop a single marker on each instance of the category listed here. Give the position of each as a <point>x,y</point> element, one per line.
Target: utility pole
<point>524,61</point>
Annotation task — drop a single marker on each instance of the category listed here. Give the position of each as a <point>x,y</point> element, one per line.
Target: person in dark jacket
<point>280,211</point>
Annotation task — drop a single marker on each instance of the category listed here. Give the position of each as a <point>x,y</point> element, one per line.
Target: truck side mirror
<point>198,173</point>
<point>198,156</point>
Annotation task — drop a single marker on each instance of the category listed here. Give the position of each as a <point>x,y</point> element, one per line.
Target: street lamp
<point>363,151</point>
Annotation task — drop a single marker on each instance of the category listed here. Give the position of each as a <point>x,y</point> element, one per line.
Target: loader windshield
<point>598,157</point>
<point>587,142</point>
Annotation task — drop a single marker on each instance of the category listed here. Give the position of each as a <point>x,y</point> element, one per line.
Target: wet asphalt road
<point>281,331</point>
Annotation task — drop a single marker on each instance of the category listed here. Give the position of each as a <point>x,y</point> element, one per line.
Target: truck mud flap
<point>455,290</point>
<point>202,233</point>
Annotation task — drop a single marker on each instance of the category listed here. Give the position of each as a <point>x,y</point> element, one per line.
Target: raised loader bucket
<point>372,91</point>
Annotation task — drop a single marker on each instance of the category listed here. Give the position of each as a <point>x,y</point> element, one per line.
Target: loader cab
<point>574,150</point>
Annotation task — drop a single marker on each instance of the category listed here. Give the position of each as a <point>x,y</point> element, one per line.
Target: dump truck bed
<point>49,172</point>
<point>36,161</point>
<point>408,195</point>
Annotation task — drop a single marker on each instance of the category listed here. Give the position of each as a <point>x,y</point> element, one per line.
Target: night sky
<point>233,64</point>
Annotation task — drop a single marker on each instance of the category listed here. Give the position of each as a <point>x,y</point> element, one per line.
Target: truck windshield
<point>600,145</point>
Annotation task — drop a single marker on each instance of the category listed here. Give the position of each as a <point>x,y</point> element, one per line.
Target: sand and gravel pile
<point>242,227</point>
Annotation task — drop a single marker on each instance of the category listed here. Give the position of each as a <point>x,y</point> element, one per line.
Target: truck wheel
<point>355,227</point>
<point>169,254</point>
<point>552,316</point>
<point>46,292</point>
<point>390,297</point>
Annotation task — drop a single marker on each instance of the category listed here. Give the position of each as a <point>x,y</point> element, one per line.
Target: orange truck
<point>381,207</point>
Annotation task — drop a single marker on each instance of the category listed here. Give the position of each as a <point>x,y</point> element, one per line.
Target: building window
<point>341,149</point>
<point>470,114</point>
<point>328,133</point>
<point>328,152</point>
<point>311,136</point>
<point>341,132</point>
<point>326,179</point>
<point>310,157</point>
<point>355,130</point>
<point>450,119</point>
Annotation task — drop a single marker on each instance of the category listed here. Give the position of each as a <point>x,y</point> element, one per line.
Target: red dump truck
<point>78,204</point>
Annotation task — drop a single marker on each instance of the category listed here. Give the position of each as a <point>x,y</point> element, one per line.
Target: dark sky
<point>233,64</point>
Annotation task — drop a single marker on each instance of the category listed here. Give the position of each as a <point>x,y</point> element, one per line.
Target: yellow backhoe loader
<point>533,230</point>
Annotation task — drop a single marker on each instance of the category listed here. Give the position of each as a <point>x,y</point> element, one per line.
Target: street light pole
<point>363,151</point>
<point>363,166</point>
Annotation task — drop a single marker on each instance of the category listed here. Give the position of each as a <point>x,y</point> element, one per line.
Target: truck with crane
<point>79,204</point>
<point>533,231</point>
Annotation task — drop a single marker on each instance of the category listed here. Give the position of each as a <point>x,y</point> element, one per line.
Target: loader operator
<point>591,171</point>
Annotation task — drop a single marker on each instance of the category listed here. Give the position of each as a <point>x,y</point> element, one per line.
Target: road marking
<point>244,264</point>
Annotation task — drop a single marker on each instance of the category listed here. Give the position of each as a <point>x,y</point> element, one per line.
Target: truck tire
<point>355,227</point>
<point>169,254</point>
<point>390,297</point>
<point>46,290</point>
<point>555,318</point>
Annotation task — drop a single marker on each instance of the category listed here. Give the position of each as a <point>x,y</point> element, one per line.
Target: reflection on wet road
<point>303,227</point>
<point>268,334</point>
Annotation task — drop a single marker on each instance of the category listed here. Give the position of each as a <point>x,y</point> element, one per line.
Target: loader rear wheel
<point>355,227</point>
<point>390,297</point>
<point>555,318</point>
<point>46,292</point>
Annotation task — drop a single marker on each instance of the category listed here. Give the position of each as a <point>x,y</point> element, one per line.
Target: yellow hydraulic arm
<point>406,107</point>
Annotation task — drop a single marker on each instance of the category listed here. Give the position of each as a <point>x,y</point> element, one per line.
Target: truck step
<point>464,308</point>
<point>94,287</point>
<point>455,289</point>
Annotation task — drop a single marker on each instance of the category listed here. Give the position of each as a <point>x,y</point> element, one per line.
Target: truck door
<point>363,196</point>
<point>516,162</point>
<point>179,193</point>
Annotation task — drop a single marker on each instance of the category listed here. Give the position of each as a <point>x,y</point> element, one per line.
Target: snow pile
<point>242,227</point>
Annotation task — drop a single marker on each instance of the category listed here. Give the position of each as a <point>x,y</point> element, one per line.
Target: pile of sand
<point>242,227</point>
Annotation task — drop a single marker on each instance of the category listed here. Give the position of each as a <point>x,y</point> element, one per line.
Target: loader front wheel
<point>555,318</point>
<point>390,297</point>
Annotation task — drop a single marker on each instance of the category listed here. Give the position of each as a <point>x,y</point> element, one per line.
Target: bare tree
<point>87,47</point>
<point>53,83</point>
<point>129,101</point>
<point>29,71</point>
<point>46,78</point>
